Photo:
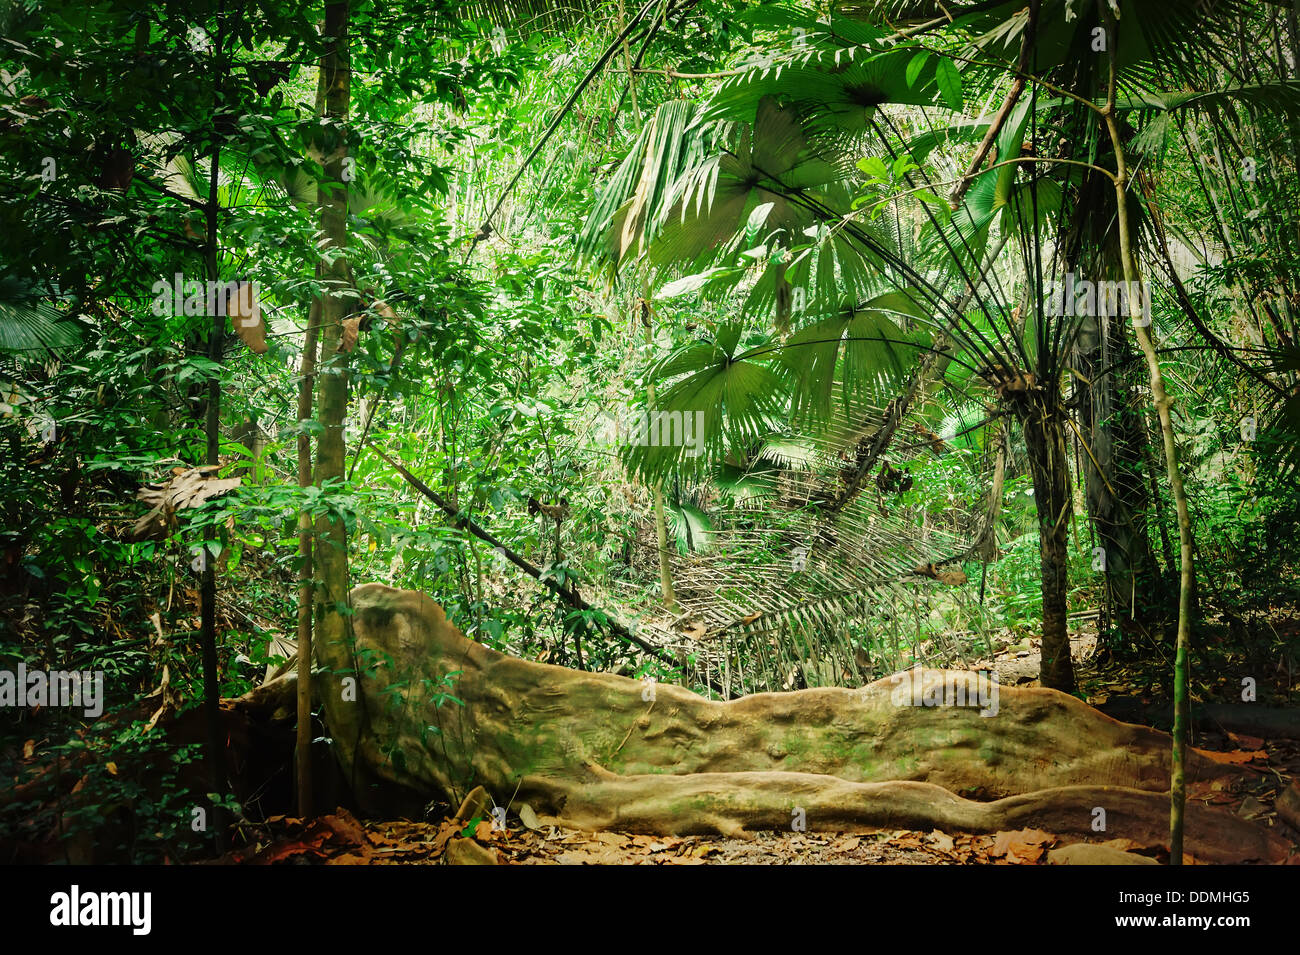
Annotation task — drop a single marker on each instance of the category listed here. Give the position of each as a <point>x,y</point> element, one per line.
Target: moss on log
<point>597,750</point>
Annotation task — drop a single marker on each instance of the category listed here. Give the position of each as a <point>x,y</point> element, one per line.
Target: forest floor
<point>340,839</point>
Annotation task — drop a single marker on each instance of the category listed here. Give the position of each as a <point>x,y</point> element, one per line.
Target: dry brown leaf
<point>245,313</point>
<point>444,835</point>
<point>1234,758</point>
<point>941,840</point>
<point>351,326</point>
<point>1023,844</point>
<point>344,826</point>
<point>1287,804</point>
<point>695,629</point>
<point>187,487</point>
<point>528,817</point>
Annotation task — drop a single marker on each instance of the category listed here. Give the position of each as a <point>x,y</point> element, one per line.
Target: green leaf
<point>949,81</point>
<point>699,280</point>
<point>691,527</point>
<point>915,66</point>
<point>36,328</point>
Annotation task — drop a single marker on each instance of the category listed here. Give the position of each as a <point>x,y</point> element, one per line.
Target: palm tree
<point>768,166</point>
<point>754,192</point>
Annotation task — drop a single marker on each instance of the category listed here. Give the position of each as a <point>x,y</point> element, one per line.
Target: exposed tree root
<point>730,803</point>
<point>596,750</point>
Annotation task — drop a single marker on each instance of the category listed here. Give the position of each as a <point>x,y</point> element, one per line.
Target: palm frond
<point>35,328</point>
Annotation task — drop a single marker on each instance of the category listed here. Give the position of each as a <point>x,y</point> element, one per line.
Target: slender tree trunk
<point>1049,468</point>
<point>306,541</point>
<point>306,384</point>
<point>661,532</point>
<point>627,65</point>
<point>212,428</point>
<point>208,577</point>
<point>1163,404</point>
<point>330,555</point>
<point>661,526</point>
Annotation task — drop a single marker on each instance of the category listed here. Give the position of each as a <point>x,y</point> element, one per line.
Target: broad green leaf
<point>949,81</point>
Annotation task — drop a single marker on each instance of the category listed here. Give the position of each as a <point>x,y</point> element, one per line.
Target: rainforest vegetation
<point>453,430</point>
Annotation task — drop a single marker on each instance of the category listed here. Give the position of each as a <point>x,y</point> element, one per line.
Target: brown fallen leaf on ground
<point>1234,758</point>
<point>444,834</point>
<point>1246,742</point>
<point>695,629</point>
<point>941,840</point>
<point>1022,845</point>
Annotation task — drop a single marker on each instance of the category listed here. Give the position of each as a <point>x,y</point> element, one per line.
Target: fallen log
<point>414,706</point>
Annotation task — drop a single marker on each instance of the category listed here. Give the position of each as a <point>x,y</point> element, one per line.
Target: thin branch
<point>567,594</point>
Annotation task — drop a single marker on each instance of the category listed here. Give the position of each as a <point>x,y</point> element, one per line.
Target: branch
<point>485,229</point>
<point>569,596</point>
<point>995,127</point>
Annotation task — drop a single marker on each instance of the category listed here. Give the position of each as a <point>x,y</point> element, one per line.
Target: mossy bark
<point>596,750</point>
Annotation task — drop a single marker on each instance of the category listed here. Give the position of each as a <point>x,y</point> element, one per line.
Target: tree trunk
<point>306,569</point>
<point>657,492</point>
<point>1163,405</point>
<point>306,384</point>
<point>1049,468</point>
<point>1114,491</point>
<point>212,457</point>
<point>330,554</point>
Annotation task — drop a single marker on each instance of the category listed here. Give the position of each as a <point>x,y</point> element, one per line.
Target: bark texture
<point>596,750</point>
<point>329,556</point>
<point>1050,470</point>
